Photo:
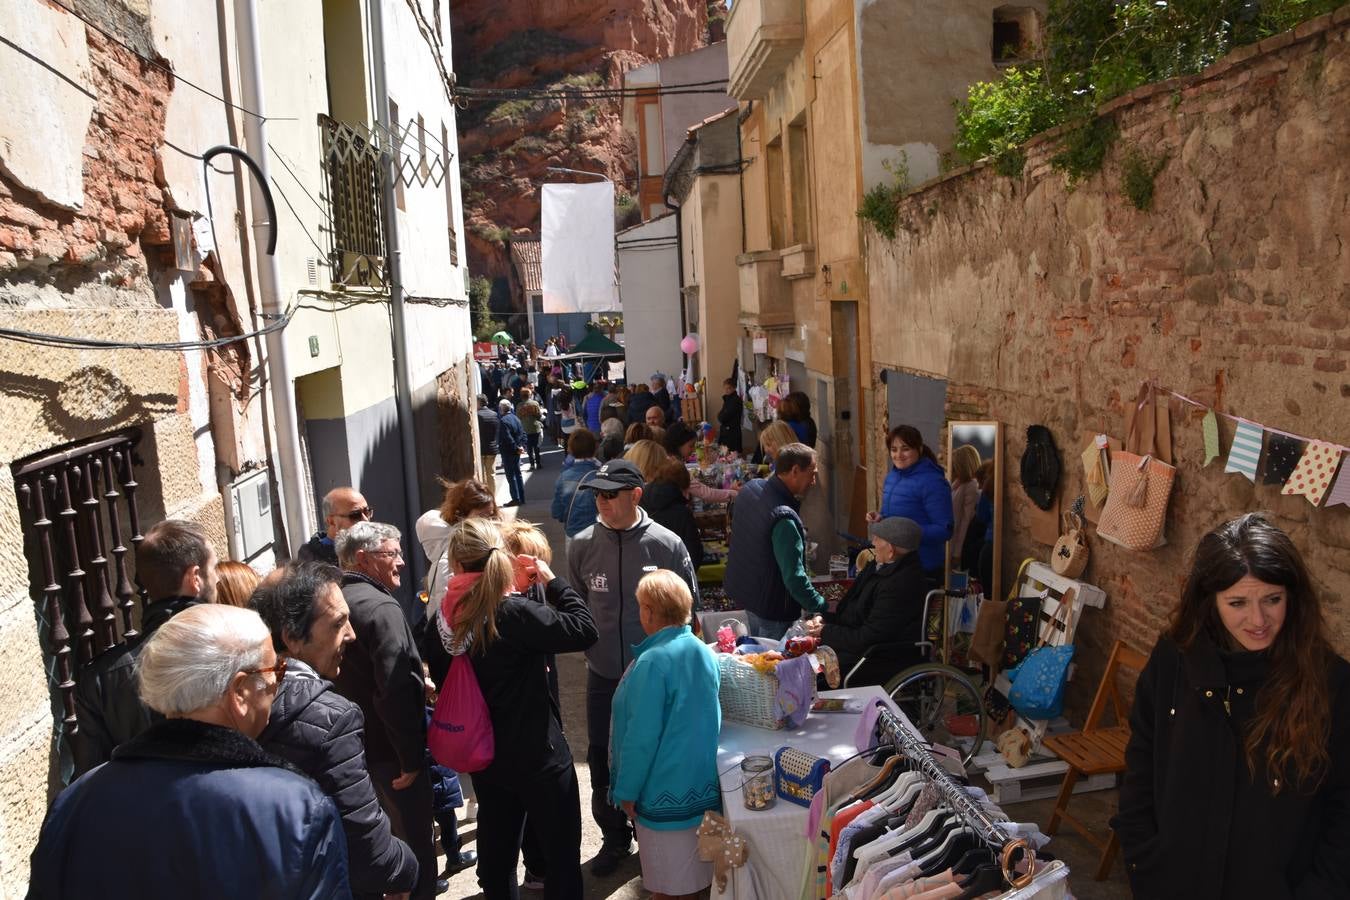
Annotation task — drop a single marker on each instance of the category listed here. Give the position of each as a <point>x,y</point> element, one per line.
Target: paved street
<point>1094,808</point>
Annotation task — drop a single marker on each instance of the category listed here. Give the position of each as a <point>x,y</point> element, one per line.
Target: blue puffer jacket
<point>923,494</point>
<point>576,514</point>
<point>663,745</point>
<point>188,809</point>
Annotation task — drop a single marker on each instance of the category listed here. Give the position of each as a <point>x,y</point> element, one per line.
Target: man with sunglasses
<point>381,672</point>
<point>605,563</point>
<point>342,508</point>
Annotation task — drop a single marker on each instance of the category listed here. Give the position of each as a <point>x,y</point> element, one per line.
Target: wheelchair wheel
<point>942,703</point>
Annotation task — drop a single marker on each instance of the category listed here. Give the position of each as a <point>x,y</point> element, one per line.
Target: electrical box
<point>252,498</point>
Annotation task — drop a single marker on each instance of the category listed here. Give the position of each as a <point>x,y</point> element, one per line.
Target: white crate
<point>1037,781</point>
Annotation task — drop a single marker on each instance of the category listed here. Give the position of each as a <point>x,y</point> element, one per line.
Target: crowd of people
<point>269,736</point>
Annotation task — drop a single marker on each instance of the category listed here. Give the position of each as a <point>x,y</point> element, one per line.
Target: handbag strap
<point>1065,605</point>
<point>1013,592</point>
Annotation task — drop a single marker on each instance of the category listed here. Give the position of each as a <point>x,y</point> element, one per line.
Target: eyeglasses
<point>279,668</point>
<point>610,495</point>
<point>387,554</point>
<point>363,512</point>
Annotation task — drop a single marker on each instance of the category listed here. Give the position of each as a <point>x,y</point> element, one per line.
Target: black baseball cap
<point>616,475</point>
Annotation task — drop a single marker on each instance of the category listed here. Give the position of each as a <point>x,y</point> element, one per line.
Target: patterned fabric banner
<point>1246,450</point>
<point>1313,474</point>
<point>1211,429</point>
<point>1341,492</point>
<point>1282,455</point>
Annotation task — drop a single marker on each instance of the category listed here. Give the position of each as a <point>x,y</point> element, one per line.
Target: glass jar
<point>757,785</point>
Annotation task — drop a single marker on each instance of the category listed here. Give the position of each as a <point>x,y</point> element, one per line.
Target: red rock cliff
<point>506,147</point>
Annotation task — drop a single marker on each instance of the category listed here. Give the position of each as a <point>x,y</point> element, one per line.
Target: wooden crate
<point>1039,780</point>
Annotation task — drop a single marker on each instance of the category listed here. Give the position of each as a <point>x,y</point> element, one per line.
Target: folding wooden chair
<point>1096,750</point>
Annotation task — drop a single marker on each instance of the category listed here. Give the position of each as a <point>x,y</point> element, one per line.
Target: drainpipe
<point>402,377</point>
<point>288,472</point>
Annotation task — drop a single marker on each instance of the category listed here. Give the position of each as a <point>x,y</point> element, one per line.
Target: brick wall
<point>123,198</point>
<point>1044,305</point>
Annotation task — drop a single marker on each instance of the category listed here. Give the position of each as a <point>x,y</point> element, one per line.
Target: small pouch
<point>800,774</point>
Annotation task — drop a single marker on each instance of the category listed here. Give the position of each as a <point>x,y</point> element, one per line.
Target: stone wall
<point>1039,304</point>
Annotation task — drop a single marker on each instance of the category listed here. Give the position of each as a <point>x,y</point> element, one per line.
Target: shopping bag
<point>1070,556</point>
<point>460,735</point>
<point>1136,508</point>
<point>986,645</point>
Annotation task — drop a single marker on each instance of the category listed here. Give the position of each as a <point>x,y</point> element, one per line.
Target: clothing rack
<point>894,729</point>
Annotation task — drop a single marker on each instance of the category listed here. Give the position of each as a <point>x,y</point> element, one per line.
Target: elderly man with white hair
<point>382,673</point>
<point>193,807</point>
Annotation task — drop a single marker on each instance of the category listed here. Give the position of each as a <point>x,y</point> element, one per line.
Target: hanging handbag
<point>460,734</point>
<point>1141,478</point>
<point>1070,556</point>
<point>1038,681</point>
<point>986,644</point>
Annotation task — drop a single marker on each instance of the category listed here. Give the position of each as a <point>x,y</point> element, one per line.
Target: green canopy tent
<point>593,346</point>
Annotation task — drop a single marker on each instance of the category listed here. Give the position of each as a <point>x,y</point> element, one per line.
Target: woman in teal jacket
<point>663,743</point>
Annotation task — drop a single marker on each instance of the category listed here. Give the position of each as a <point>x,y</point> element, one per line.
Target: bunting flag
<point>1211,429</point>
<point>1312,475</point>
<point>1282,455</point>
<point>1246,450</point>
<point>1341,492</point>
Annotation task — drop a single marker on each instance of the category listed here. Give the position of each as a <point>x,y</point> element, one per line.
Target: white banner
<point>577,248</point>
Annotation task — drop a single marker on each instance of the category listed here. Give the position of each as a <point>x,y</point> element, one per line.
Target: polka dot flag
<point>1312,476</point>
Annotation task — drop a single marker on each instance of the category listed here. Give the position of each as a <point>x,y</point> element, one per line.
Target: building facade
<point>157,360</point>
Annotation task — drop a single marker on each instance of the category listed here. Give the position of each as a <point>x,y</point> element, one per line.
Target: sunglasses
<point>279,668</point>
<point>610,495</point>
<point>364,512</point>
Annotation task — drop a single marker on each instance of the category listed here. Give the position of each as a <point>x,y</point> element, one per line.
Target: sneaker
<point>532,882</point>
<point>609,858</point>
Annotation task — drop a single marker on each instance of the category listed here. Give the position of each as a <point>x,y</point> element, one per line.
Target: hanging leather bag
<point>1141,478</point>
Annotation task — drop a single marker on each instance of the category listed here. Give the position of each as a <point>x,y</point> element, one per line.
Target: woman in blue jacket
<point>663,746</point>
<point>916,488</point>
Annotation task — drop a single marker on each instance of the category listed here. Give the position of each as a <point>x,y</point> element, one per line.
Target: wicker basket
<point>747,695</point>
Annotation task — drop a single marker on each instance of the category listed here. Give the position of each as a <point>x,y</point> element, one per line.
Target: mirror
<point>972,552</point>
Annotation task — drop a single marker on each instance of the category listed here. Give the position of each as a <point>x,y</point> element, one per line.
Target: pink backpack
<point>460,735</point>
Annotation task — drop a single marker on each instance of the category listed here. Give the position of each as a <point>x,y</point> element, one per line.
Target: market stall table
<point>777,836</point>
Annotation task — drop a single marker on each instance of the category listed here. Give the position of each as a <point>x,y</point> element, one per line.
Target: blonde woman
<point>663,749</point>
<point>649,457</point>
<point>508,640</point>
<point>775,436</point>
<point>965,494</point>
<point>235,582</point>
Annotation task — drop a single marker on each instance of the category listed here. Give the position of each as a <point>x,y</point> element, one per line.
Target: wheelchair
<point>936,697</point>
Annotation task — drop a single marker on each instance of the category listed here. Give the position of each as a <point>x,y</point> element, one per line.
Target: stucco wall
<point>1041,305</point>
<point>718,236</point>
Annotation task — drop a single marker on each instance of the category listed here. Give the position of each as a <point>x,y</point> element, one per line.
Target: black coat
<point>667,506</point>
<point>488,424</point>
<point>107,705</point>
<point>1193,822</point>
<point>729,422</point>
<point>320,732</point>
<point>188,809</point>
<point>319,548</point>
<point>661,398</point>
<point>884,605</point>
<point>512,673</point>
<point>382,674</point>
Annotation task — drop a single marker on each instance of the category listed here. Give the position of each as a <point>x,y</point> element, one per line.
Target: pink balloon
<point>689,346</point>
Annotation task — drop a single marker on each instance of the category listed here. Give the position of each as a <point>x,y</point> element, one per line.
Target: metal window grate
<point>80,523</point>
<point>352,162</point>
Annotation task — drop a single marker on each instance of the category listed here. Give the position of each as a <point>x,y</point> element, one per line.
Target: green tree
<point>480,313</point>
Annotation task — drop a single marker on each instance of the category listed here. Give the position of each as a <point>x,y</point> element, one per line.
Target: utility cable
<point>79,343</point>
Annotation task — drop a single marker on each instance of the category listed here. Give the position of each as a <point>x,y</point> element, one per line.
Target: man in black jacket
<point>729,418</point>
<point>177,568</point>
<point>319,731</point>
<point>342,507</point>
<point>488,425</point>
<point>382,674</point>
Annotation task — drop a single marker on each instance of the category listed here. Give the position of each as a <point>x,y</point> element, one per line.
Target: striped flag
<point>1245,452</point>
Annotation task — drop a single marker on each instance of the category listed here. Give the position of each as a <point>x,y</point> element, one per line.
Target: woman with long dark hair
<point>916,488</point>
<point>1238,765</point>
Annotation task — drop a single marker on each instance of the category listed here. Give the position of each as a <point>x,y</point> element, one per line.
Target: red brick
<point>1326,364</point>
<point>1328,319</point>
<point>1290,358</point>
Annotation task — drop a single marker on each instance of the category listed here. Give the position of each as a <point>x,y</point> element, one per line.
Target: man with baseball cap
<point>883,610</point>
<point>605,563</point>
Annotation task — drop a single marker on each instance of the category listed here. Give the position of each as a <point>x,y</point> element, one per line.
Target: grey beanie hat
<point>900,533</point>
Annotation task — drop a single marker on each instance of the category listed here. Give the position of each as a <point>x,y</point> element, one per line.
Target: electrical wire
<point>78,343</point>
<point>323,254</point>
<point>150,61</point>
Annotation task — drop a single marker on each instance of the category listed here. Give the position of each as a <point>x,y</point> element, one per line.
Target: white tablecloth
<point>776,835</point>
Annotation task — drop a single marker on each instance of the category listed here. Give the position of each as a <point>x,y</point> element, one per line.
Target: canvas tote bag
<point>1141,478</point>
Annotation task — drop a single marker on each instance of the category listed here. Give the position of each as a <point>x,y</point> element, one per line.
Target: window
<point>1016,32</point>
<point>81,526</point>
<point>800,185</point>
<point>777,185</point>
<point>355,196</point>
<point>449,196</point>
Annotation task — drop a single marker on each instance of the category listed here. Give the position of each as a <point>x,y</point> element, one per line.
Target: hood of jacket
<point>661,496</point>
